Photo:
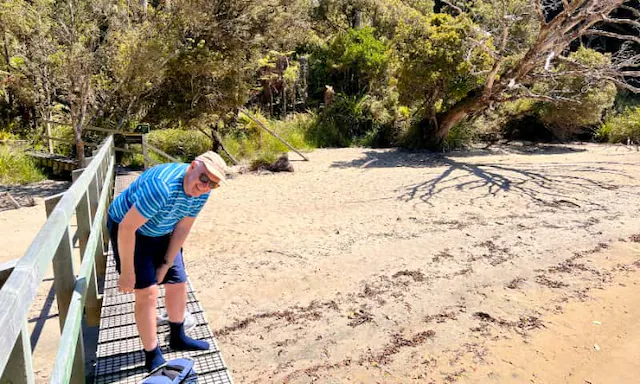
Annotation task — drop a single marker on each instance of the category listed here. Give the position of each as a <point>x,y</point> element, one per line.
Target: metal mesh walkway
<point>119,358</point>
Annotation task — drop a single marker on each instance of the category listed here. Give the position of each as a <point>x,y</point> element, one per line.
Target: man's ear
<point>193,165</point>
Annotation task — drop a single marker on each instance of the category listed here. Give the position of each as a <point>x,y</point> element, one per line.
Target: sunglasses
<point>205,179</point>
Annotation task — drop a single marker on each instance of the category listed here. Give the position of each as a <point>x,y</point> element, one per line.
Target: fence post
<point>85,212</point>
<point>20,359</point>
<point>20,367</point>
<point>64,283</point>
<point>145,153</point>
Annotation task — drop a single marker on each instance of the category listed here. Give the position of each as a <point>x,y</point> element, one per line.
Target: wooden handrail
<point>53,243</point>
<point>94,128</point>
<point>162,153</point>
<point>62,368</point>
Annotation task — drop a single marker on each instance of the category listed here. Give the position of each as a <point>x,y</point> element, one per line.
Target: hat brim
<point>220,175</point>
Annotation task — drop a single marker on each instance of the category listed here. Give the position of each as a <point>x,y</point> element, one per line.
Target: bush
<point>6,135</point>
<point>433,68</point>
<point>354,63</point>
<point>462,135</point>
<point>566,119</point>
<point>341,123</point>
<point>362,121</point>
<point>62,132</point>
<point>17,168</point>
<point>251,142</point>
<point>621,127</point>
<point>184,145</point>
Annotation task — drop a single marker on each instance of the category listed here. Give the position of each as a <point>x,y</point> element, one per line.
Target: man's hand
<point>127,282</point>
<point>161,272</point>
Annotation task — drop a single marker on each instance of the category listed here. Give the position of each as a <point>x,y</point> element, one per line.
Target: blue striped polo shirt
<point>158,194</point>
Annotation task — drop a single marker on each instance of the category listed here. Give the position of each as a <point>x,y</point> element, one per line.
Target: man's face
<point>198,180</point>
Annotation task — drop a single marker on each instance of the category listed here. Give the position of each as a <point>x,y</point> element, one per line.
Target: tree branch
<point>597,32</point>
<point>633,10</point>
<point>621,21</point>
<point>458,9</point>
<point>623,84</point>
<point>538,6</point>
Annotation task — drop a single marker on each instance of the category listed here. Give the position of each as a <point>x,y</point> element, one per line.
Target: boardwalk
<point>119,355</point>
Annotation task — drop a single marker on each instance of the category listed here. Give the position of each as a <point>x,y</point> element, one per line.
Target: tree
<point>529,41</point>
<point>354,63</point>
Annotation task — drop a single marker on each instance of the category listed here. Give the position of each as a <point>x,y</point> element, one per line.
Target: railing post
<point>20,367</point>
<point>101,262</point>
<point>64,284</point>
<point>145,151</point>
<point>85,212</point>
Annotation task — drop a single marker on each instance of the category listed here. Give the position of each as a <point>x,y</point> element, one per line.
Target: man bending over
<point>148,224</point>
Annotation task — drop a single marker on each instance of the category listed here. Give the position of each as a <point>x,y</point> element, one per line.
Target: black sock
<point>180,341</point>
<point>153,359</point>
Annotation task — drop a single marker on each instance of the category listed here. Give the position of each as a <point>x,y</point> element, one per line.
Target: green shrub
<point>460,136</point>
<point>6,135</point>
<point>62,132</point>
<point>185,145</point>
<point>354,62</point>
<point>568,118</point>
<point>621,127</point>
<point>341,123</point>
<point>434,65</point>
<point>17,168</point>
<point>362,121</point>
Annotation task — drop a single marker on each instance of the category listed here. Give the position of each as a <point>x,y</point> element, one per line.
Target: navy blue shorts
<point>148,256</point>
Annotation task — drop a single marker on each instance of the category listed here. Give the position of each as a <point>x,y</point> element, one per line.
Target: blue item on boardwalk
<point>176,371</point>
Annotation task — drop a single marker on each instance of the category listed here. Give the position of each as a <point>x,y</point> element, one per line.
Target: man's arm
<point>178,237</point>
<point>126,245</point>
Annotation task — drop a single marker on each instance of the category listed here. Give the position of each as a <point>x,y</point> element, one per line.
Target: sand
<point>513,264</point>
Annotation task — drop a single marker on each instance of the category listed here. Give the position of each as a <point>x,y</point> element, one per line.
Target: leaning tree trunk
<point>471,104</point>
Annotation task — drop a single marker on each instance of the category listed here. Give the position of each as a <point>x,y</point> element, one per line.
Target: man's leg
<point>146,298</point>
<point>176,302</point>
<point>145,312</point>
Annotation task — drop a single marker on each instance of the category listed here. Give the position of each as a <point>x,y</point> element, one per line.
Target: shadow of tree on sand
<point>548,184</point>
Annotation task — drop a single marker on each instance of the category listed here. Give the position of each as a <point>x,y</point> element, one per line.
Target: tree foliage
<point>194,64</point>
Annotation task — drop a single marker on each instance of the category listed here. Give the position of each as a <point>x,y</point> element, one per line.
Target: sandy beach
<point>511,264</point>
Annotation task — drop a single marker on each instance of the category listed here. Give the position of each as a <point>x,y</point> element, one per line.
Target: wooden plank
<point>94,128</point>
<point>20,369</point>
<point>21,287</point>
<point>86,143</point>
<point>162,153</point>
<point>47,158</point>
<point>113,131</point>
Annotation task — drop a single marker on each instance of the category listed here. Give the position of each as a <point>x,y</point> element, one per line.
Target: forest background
<point>320,73</point>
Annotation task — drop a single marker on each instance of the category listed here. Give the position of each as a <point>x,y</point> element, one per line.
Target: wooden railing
<point>88,198</point>
<point>138,138</point>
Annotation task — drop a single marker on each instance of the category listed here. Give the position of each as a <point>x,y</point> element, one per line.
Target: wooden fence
<point>131,137</point>
<point>88,198</point>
